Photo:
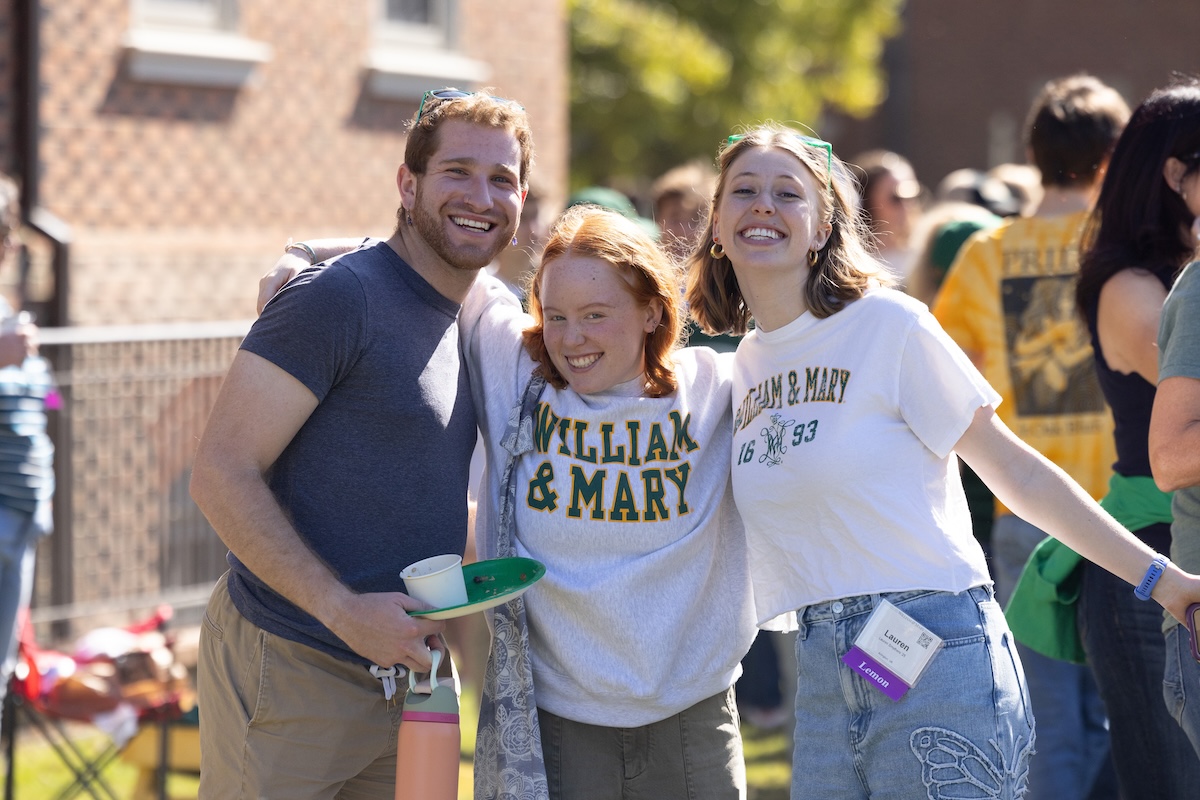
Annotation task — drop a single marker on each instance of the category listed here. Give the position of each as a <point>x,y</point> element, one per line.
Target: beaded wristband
<point>312,254</point>
<point>1155,571</point>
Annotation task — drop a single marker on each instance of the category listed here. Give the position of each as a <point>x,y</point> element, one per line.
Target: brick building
<point>183,141</point>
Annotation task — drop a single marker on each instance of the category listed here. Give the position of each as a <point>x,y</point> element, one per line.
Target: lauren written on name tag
<point>892,651</point>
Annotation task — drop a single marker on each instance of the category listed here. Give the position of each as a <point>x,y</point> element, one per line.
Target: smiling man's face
<point>468,202</point>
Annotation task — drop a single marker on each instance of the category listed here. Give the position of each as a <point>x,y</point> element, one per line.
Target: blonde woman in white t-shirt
<point>849,404</point>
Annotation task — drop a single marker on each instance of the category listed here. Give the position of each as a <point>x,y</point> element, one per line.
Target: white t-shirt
<point>645,608</point>
<point>843,470</point>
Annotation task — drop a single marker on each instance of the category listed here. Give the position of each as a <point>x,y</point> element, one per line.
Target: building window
<point>419,22</point>
<point>408,10</point>
<point>190,42</point>
<point>414,48</point>
<point>202,14</point>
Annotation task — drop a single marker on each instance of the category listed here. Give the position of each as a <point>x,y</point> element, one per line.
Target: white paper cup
<point>437,581</point>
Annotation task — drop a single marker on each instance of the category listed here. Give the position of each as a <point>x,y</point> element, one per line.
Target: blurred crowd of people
<point>1048,324</point>
<point>821,460</point>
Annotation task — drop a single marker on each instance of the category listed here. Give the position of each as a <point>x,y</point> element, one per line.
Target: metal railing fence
<point>127,535</point>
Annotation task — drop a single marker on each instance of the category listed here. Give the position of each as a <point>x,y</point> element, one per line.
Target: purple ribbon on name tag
<point>875,673</point>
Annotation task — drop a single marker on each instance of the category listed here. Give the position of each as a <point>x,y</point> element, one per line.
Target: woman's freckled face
<point>593,326</point>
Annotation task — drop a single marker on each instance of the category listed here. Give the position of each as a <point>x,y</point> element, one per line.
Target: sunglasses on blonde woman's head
<point>811,141</point>
<point>439,95</point>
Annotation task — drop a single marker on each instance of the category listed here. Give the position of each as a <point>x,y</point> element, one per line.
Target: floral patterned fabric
<point>508,746</point>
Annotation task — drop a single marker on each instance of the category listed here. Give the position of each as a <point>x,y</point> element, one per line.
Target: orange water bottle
<point>427,750</point>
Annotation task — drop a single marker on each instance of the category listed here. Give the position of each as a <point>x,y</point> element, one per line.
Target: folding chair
<point>171,747</point>
<point>117,692</point>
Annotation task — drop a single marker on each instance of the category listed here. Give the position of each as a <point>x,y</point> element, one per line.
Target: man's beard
<point>465,257</point>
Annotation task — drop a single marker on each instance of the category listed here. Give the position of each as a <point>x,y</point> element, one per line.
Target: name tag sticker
<point>892,651</point>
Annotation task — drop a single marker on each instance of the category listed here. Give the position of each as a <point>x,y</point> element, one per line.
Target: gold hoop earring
<point>812,258</point>
<point>717,250</point>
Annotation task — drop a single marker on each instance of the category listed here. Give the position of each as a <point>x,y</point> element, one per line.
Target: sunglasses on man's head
<point>811,141</point>
<point>455,94</point>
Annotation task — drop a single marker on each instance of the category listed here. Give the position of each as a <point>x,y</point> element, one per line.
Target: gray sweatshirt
<point>646,607</point>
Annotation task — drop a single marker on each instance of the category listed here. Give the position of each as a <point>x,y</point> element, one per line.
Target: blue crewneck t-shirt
<point>376,478</point>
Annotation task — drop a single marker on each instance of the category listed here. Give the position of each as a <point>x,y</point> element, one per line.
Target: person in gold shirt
<point>1008,301</point>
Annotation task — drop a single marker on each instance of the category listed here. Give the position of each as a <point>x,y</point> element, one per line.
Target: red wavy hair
<point>591,231</point>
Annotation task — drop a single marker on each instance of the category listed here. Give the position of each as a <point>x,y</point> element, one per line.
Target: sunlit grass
<point>468,712</point>
<point>41,774</point>
<point>768,763</point>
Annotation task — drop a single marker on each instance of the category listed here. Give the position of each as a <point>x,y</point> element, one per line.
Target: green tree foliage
<point>654,84</point>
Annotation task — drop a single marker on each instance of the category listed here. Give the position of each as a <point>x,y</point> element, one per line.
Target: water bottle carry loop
<point>436,657</point>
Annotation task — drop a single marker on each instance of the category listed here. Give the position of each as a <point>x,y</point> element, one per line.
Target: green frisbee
<point>490,583</point>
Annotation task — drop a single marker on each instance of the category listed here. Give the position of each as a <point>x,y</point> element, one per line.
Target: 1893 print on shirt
<point>843,430</point>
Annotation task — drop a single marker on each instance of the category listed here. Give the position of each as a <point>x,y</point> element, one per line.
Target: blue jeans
<point>1181,679</point>
<point>19,535</point>
<point>965,729</point>
<point>1124,642</point>
<point>1072,730</point>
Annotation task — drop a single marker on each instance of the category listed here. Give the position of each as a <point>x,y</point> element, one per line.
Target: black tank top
<point>1130,396</point>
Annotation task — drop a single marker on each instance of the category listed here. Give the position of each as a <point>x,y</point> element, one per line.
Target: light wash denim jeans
<point>965,730</point>
<point>19,535</point>
<point>1181,684</point>
<point>1072,726</point>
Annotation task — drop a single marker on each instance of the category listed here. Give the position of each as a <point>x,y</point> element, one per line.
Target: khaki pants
<point>282,720</point>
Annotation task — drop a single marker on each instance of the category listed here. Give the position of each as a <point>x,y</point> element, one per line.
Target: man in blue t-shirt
<point>336,454</point>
